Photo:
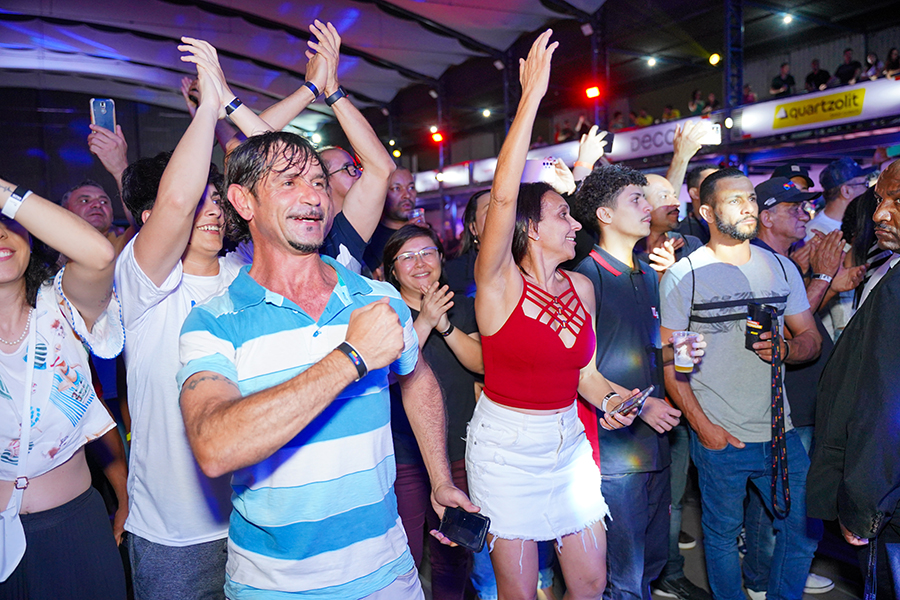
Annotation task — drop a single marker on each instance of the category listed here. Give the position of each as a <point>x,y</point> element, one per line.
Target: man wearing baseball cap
<point>842,181</point>
<point>796,173</point>
<point>783,214</point>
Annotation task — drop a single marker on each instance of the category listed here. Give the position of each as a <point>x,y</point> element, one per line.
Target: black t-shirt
<point>460,274</point>
<point>457,384</point>
<point>691,243</point>
<point>628,342</point>
<point>343,240</point>
<point>374,254</point>
<point>693,226</point>
<point>814,80</point>
<point>779,82</point>
<point>845,72</point>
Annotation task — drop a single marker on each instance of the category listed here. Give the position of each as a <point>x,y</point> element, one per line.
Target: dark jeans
<point>680,447</point>
<point>70,555</point>
<point>449,566</point>
<point>724,475</point>
<point>638,533</point>
<point>761,532</point>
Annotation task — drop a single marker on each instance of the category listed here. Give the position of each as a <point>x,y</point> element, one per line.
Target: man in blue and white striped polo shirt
<point>285,384</point>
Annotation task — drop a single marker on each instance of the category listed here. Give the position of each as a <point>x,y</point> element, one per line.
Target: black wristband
<point>448,332</point>
<point>312,87</point>
<point>340,93</point>
<point>355,358</point>
<point>787,351</point>
<point>233,106</point>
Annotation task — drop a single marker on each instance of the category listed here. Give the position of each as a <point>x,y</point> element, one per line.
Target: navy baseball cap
<point>841,171</point>
<point>793,170</point>
<point>781,189</point>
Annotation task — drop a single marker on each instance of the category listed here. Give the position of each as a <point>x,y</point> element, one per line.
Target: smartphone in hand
<point>103,113</point>
<point>469,530</point>
<point>633,402</point>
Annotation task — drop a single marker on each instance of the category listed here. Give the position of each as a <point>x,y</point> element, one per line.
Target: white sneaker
<point>754,595</point>
<point>816,584</point>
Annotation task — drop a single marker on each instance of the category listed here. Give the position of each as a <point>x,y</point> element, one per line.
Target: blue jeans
<point>723,487</point>
<point>637,535</point>
<point>761,533</point>
<point>680,448</point>
<point>485,583</point>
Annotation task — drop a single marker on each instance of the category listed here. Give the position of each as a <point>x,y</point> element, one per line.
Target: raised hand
<point>663,257</point>
<point>827,256</point>
<point>111,148</point>
<point>534,70</point>
<point>191,93</point>
<point>328,48</point>
<point>211,80</point>
<point>592,146</point>
<point>563,181</point>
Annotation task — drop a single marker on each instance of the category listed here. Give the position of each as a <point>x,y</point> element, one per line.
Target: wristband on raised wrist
<point>448,331</point>
<point>14,201</point>
<point>354,356</point>
<point>233,106</point>
<point>312,88</point>
<point>581,163</point>
<point>823,277</point>
<point>340,93</point>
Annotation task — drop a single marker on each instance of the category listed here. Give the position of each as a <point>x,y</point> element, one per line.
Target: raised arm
<point>686,143</point>
<point>495,262</point>
<point>88,278</point>
<point>365,199</point>
<point>227,136</point>
<point>165,233</point>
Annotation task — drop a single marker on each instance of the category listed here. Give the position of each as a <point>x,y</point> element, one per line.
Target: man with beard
<point>858,409</point>
<point>401,199</point>
<point>727,399</point>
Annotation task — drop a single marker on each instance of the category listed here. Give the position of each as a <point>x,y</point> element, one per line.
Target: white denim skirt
<point>533,475</point>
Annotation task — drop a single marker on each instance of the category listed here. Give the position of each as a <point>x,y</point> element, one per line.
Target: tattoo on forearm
<point>193,383</point>
<point>6,188</point>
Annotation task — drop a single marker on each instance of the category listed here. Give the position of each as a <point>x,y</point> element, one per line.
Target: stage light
<point>433,129</point>
<point>729,123</point>
<point>593,92</point>
<point>396,153</point>
<point>437,137</point>
<point>787,19</point>
<point>391,143</point>
<point>486,113</point>
<point>651,62</point>
<point>714,59</point>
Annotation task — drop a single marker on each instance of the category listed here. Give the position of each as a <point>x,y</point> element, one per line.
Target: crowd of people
<point>848,72</point>
<point>304,408</point>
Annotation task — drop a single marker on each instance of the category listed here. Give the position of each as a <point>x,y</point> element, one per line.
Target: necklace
<point>21,337</point>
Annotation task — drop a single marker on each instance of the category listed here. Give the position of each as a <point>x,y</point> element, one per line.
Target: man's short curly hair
<point>253,160</point>
<point>601,188</point>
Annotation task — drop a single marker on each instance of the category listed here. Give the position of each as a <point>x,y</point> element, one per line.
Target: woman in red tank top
<point>529,462</point>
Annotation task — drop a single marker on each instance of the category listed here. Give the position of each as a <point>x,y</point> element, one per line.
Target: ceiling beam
<point>225,11</point>
<point>162,38</point>
<point>435,27</point>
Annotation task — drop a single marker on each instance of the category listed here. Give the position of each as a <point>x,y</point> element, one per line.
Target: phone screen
<point>636,401</point>
<point>469,530</point>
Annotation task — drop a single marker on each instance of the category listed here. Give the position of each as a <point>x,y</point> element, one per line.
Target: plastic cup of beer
<point>683,343</point>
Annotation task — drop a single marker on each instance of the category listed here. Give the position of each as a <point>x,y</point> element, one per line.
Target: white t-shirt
<point>170,501</point>
<point>821,222</point>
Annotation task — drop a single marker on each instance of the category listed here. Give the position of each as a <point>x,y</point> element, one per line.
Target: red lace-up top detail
<point>534,360</point>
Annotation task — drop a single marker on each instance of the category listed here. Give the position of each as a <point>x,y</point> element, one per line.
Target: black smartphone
<point>635,401</point>
<point>103,113</point>
<point>608,138</point>
<point>759,320</point>
<point>469,530</point>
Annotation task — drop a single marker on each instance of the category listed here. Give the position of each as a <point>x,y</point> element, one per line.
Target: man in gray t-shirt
<point>727,398</point>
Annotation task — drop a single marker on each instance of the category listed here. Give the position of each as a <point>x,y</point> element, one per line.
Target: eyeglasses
<point>352,169</point>
<point>798,208</point>
<point>408,259</point>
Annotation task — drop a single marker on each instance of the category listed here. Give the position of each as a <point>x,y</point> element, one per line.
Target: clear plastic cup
<point>683,343</point>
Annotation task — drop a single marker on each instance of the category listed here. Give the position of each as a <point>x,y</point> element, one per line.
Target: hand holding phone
<point>633,402</point>
<point>469,530</point>
<point>103,113</point>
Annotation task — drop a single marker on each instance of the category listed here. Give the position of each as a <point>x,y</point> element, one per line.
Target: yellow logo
<point>823,108</point>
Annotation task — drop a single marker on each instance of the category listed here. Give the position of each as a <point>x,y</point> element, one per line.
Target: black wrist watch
<point>340,93</point>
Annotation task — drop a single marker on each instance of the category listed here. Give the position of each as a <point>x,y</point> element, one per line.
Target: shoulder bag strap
<point>25,435</point>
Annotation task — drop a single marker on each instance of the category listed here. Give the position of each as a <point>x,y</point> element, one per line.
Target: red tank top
<point>533,362</point>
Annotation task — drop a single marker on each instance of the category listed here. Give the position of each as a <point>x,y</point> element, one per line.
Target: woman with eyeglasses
<point>529,463</point>
<point>55,535</point>
<point>449,340</point>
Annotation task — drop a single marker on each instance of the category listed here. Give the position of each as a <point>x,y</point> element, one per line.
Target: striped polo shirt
<point>318,518</point>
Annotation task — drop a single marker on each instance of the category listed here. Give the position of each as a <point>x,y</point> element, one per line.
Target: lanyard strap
<point>779,443</point>
<point>25,435</point>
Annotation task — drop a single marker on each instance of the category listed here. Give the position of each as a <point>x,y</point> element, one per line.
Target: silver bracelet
<point>606,399</point>
<point>14,201</point>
